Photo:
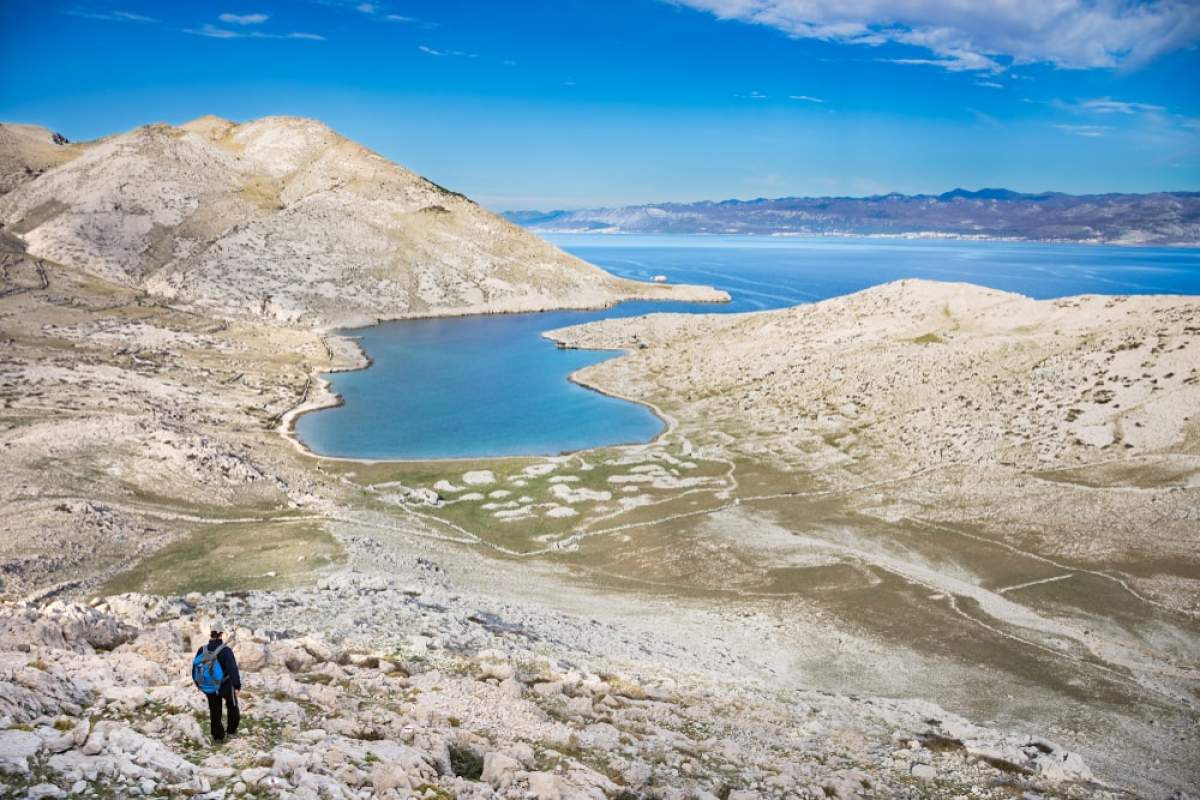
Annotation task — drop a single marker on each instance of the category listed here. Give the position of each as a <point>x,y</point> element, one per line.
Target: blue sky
<point>572,103</point>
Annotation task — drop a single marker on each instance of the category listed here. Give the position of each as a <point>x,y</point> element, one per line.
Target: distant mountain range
<point>1159,218</point>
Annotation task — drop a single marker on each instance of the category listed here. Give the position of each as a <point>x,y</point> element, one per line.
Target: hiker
<point>215,672</point>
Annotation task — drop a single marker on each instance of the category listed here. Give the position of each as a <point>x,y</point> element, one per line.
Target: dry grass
<point>233,557</point>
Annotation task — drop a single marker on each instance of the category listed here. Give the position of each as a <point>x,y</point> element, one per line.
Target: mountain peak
<point>209,126</point>
<point>981,194</point>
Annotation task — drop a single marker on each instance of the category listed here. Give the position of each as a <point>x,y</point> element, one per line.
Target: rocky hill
<point>1159,218</point>
<point>916,373</point>
<point>284,219</point>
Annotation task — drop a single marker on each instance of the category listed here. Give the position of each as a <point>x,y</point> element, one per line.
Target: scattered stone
<point>479,477</point>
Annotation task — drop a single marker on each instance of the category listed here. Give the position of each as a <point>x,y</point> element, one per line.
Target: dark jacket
<point>228,664</point>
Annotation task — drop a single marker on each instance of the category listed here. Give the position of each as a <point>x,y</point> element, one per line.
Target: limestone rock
<point>499,769</point>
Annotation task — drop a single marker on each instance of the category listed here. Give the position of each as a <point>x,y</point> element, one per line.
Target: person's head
<point>217,630</point>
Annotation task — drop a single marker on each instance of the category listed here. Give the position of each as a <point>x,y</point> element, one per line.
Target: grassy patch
<point>232,557</point>
<point>928,338</point>
<point>263,193</point>
<point>527,532</point>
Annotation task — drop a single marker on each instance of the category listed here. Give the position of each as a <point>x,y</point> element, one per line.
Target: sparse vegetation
<point>233,556</point>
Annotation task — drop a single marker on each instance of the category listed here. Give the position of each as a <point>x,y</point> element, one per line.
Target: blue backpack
<point>207,671</point>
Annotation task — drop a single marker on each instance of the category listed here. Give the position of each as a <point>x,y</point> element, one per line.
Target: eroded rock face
<point>322,721</point>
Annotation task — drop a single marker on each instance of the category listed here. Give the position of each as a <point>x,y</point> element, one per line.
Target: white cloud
<point>805,98</point>
<point>399,18</point>
<point>1107,105</point>
<point>367,8</point>
<point>126,16</point>
<point>111,16</point>
<point>244,19</point>
<point>985,35</point>
<point>990,84</point>
<point>213,32</point>
<point>440,53</point>
<point>1090,131</point>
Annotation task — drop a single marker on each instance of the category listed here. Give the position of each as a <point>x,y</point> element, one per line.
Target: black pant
<point>214,712</point>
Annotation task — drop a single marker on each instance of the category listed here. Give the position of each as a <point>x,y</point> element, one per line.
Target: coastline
<point>907,236</point>
<point>319,394</point>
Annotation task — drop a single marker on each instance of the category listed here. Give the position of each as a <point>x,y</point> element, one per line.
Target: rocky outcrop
<point>96,700</point>
<point>284,219</point>
<point>26,151</point>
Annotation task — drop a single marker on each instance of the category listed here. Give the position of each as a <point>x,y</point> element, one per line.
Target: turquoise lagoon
<point>470,387</point>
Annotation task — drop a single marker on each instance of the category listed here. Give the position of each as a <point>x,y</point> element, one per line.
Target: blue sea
<point>470,387</point>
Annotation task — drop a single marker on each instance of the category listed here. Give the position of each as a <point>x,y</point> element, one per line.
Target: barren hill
<point>285,219</point>
<point>917,379</point>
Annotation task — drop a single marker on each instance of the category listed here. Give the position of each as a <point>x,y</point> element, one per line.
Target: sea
<point>491,386</point>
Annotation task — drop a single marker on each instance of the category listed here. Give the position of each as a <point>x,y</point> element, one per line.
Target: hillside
<point>958,475</point>
<point>282,218</point>
<point>1160,218</point>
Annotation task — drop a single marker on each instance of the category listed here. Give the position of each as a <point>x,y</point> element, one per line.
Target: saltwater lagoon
<point>470,387</point>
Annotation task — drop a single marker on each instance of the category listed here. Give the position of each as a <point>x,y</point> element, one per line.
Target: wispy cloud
<point>213,32</point>
<point>243,19</point>
<point>377,10</point>
<point>444,53</point>
<point>990,84</point>
<point>1107,105</point>
<point>806,98</point>
<point>111,16</point>
<point>987,120</point>
<point>985,35</point>
<point>1090,131</point>
<point>963,62</point>
<point>406,20</point>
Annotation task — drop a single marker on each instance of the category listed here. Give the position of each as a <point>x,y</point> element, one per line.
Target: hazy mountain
<point>1160,218</point>
<point>280,218</point>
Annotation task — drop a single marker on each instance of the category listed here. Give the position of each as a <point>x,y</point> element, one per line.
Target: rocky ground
<point>142,441</point>
<point>441,699</point>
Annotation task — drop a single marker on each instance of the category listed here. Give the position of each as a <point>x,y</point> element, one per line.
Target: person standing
<point>215,673</point>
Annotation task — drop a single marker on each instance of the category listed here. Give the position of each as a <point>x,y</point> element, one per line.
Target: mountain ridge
<point>995,213</point>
